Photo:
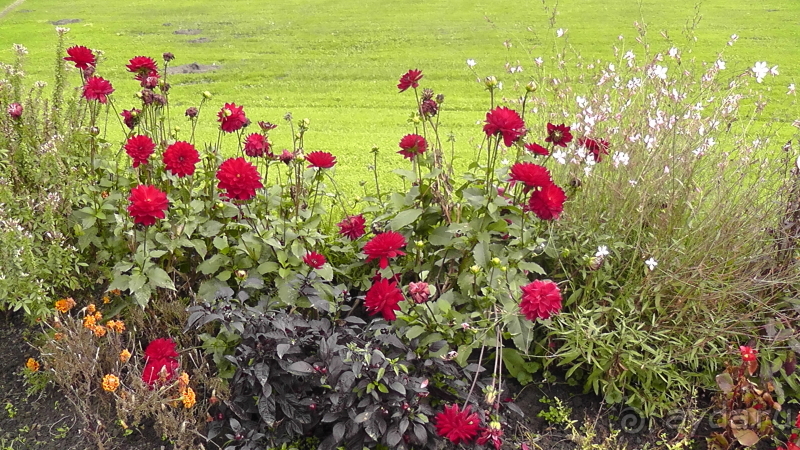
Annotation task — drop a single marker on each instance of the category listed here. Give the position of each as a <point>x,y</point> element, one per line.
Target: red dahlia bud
<point>168,57</point>
<point>15,110</point>
<point>192,112</point>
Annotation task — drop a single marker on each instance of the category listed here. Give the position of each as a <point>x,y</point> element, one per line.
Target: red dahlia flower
<point>352,227</point>
<point>14,110</point>
<point>537,149</point>
<point>181,158</point>
<point>506,122</point>
<point>314,259</point>
<point>491,435</point>
<point>540,299</point>
<point>409,79</point>
<point>142,65</point>
<point>384,246</point>
<point>548,202</point>
<point>97,88</point>
<point>320,160</point>
<point>239,179</point>
<point>267,126</point>
<point>231,118</point>
<point>749,354</point>
<point>420,292</point>
<point>81,56</point>
<point>257,145</point>
<point>558,134</point>
<point>286,157</point>
<point>139,148</point>
<point>383,297</point>
<point>147,203</point>
<point>530,174</point>
<point>160,356</point>
<point>457,425</point>
<point>162,348</point>
<point>412,145</point>
<point>130,117</point>
<point>596,147</point>
<point>148,80</point>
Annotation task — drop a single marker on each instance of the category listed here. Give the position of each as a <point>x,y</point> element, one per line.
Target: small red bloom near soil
<point>457,425</point>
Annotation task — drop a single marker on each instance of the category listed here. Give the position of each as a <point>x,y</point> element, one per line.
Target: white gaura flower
<point>539,61</point>
<point>471,63</point>
<point>560,156</point>
<point>658,71</point>
<point>620,158</point>
<point>602,251</point>
<point>720,64</point>
<point>760,70</point>
<point>673,52</point>
<point>560,32</point>
<point>791,89</point>
<point>651,263</point>
<point>773,71</point>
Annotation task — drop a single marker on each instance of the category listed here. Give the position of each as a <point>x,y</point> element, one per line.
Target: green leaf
<point>267,267</point>
<point>220,242</point>
<point>210,228</point>
<point>531,267</point>
<point>136,282</point>
<point>414,331</point>
<point>200,246</point>
<point>441,236</point>
<point>404,218</point>
<point>211,265</point>
<point>160,278</point>
<point>326,272</point>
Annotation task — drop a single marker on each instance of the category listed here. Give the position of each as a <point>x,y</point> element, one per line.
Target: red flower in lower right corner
<point>749,354</point>
<point>412,145</point>
<point>147,203</point>
<point>457,425</point>
<point>239,179</point>
<point>540,299</point>
<point>383,297</point>
<point>548,202</point>
<point>352,227</point>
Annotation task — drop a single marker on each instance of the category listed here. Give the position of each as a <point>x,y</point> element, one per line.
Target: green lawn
<point>337,63</point>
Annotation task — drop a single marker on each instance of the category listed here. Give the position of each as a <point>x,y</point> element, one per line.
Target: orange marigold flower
<point>188,398</point>
<point>99,331</point>
<point>110,383</point>
<point>33,365</point>
<point>90,309</point>
<point>116,325</point>
<point>98,315</point>
<point>89,322</point>
<point>115,292</point>
<point>106,300</point>
<point>124,356</point>
<point>65,304</point>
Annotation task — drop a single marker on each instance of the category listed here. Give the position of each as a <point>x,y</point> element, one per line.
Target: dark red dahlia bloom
<point>558,134</point>
<point>491,435</point>
<point>507,122</point>
<point>548,202</point>
<point>412,145</point>
<point>314,259</point>
<point>239,179</point>
<point>352,227</point>
<point>161,348</point>
<point>540,299</point>
<point>139,148</point>
<point>537,149</point>
<point>428,108</point>
<point>14,110</point>
<point>160,357</point>
<point>81,56</point>
<point>257,145</point>
<point>530,174</point>
<point>383,297</point>
<point>147,203</point>
<point>181,158</point>
<point>130,117</point>
<point>142,65</point>
<point>231,118</point>
<point>97,88</point>
<point>148,80</point>
<point>286,157</point>
<point>320,160</point>
<point>457,425</point>
<point>384,246</point>
<point>267,126</point>
<point>597,147</point>
<point>409,79</point>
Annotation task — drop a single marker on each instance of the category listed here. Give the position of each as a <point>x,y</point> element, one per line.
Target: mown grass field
<point>337,63</point>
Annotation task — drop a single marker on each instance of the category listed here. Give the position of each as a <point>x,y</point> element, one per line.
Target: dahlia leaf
<point>159,278</point>
<point>404,218</point>
<point>532,267</point>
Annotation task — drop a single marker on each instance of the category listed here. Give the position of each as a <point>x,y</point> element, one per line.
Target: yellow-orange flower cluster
<point>99,330</point>
<point>91,319</point>
<point>58,336</point>
<point>110,383</point>
<point>187,394</point>
<point>116,325</point>
<point>106,300</point>
<point>124,356</point>
<point>65,304</point>
<point>89,322</point>
<point>32,365</point>
<point>90,309</point>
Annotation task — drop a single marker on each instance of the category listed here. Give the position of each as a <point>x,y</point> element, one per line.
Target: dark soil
<point>189,32</point>
<point>192,68</point>
<point>65,21</point>
<point>43,420</point>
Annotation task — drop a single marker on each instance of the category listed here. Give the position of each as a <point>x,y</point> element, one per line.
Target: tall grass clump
<point>680,234</point>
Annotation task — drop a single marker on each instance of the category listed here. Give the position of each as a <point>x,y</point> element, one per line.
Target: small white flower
<point>673,52</point>
<point>560,156</point>
<point>620,158</point>
<point>734,38</point>
<point>539,61</point>
<point>602,252</point>
<point>471,63</point>
<point>720,64</point>
<point>560,32</point>
<point>651,263</point>
<point>505,162</point>
<point>666,169</point>
<point>658,71</point>
<point>791,89</point>
<point>773,71</point>
<point>760,70</point>
<point>633,182</point>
